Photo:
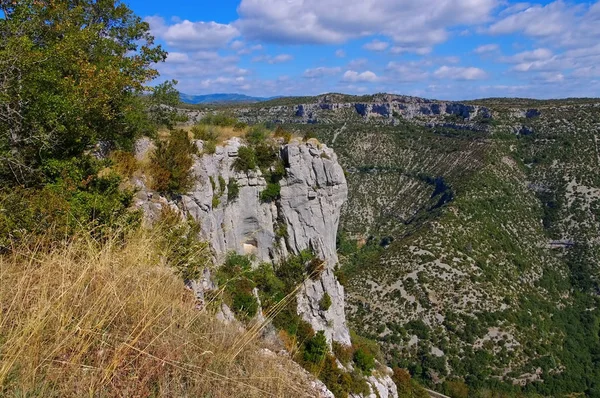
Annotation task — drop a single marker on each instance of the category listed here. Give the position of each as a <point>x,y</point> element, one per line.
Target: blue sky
<point>446,49</point>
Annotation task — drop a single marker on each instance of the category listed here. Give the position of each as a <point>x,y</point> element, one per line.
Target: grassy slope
<point>113,320</point>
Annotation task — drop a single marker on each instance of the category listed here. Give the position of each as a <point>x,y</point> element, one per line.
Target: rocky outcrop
<point>312,194</point>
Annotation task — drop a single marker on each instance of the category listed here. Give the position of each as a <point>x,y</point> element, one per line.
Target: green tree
<point>71,75</point>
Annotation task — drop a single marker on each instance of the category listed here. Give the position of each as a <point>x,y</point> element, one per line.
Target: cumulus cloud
<point>278,59</point>
<point>416,50</point>
<point>354,77</point>
<point>486,48</point>
<point>340,53</point>
<point>316,73</point>
<point>409,23</point>
<point>459,73</point>
<point>189,35</point>
<point>407,72</point>
<point>376,45</point>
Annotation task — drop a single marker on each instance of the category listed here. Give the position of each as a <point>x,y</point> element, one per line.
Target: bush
<point>239,127</point>
<point>364,360</point>
<point>204,133</point>
<point>233,190</point>
<point>316,348</point>
<point>271,193</point>
<point>266,155</point>
<point>124,163</point>
<point>244,304</point>
<point>257,135</point>
<point>315,268</point>
<point>171,164</point>
<point>246,159</point>
<point>180,245</point>
<point>325,302</point>
<point>219,119</point>
<point>209,147</point>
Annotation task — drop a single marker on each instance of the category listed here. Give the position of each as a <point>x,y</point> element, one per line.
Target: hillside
<point>469,242</point>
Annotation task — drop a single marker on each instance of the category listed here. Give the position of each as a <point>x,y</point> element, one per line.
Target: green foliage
<point>271,193</point>
<point>124,163</point>
<point>68,86</point>
<point>325,302</point>
<point>181,246</point>
<point>407,387</point>
<point>172,162</point>
<point>161,105</point>
<point>75,198</point>
<point>233,190</point>
<point>246,160</point>
<point>219,119</point>
<point>364,360</point>
<point>257,135</point>
<point>316,348</point>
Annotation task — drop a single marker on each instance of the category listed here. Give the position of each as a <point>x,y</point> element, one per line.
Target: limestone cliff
<point>305,217</point>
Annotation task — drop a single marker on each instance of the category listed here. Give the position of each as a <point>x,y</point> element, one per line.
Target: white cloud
<point>278,59</point>
<point>538,54</point>
<point>459,73</point>
<point>376,45</point>
<point>486,48</point>
<point>416,50</point>
<point>316,73</point>
<point>189,35</point>
<point>407,72</point>
<point>354,77</point>
<point>177,58</point>
<point>358,63</point>
<point>409,23</point>
<point>237,45</point>
<point>340,53</point>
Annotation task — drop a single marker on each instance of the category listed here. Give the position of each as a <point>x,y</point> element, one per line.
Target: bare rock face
<point>312,194</point>
<point>243,224</point>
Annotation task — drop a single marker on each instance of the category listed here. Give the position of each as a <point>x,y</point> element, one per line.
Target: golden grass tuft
<point>112,320</point>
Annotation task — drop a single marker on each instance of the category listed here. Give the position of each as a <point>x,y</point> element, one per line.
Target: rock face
<point>312,194</point>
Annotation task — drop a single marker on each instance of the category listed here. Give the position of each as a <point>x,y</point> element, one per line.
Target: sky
<point>443,49</point>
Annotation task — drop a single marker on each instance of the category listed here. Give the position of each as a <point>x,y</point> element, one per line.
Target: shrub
<point>222,184</point>
<point>124,163</point>
<point>172,162</point>
<point>280,132</point>
<point>233,190</point>
<point>240,126</point>
<point>180,245</point>
<point>215,201</point>
<point>266,155</point>
<point>244,304</point>
<point>271,193</point>
<point>325,302</point>
<point>316,348</point>
<point>246,159</point>
<point>209,147</point>
<point>342,352</point>
<point>219,119</point>
<point>364,360</point>
<point>257,135</point>
<point>204,133</point>
<point>315,268</point>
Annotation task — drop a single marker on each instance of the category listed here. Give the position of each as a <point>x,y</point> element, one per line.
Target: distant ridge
<point>221,99</point>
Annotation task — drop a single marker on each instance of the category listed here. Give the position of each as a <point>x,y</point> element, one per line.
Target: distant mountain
<point>221,99</point>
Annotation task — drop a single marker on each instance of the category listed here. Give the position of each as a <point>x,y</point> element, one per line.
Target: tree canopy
<point>72,74</point>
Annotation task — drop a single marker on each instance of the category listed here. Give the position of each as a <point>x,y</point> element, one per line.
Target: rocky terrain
<point>469,242</point>
<point>312,193</point>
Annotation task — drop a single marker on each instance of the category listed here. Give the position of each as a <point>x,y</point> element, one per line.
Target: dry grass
<point>112,321</point>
